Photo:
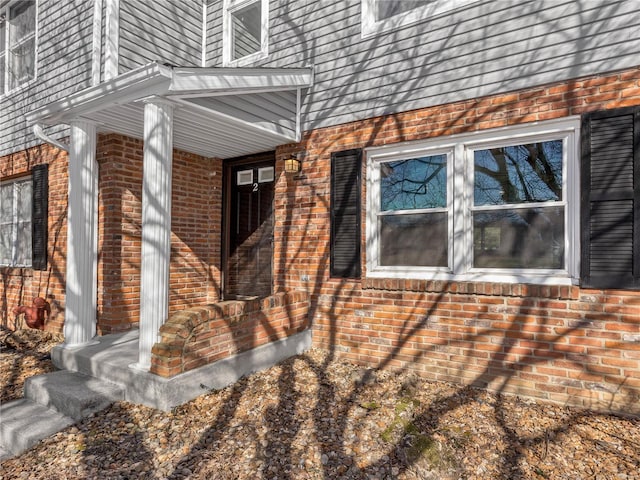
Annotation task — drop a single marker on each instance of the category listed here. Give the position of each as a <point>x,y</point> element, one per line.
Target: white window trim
<point>229,7</point>
<point>112,39</point>
<point>14,224</point>
<point>5,9</point>
<point>460,203</point>
<point>370,27</point>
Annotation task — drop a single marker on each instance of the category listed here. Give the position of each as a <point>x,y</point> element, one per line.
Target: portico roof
<point>219,112</point>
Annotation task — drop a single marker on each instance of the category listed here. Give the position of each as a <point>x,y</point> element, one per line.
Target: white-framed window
<point>17,44</point>
<point>384,15</point>
<point>15,222</point>
<point>497,205</point>
<point>245,31</point>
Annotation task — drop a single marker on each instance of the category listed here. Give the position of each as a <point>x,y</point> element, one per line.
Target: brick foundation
<point>201,335</point>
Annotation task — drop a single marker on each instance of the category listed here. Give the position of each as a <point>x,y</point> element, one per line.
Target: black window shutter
<point>610,210</point>
<point>345,214</point>
<point>39,216</point>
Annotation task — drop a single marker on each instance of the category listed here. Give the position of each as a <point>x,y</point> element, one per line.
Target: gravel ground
<point>315,418</point>
<point>23,353</point>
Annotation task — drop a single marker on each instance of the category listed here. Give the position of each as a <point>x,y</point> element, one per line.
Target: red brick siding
<point>18,286</point>
<point>195,246</point>
<point>562,344</point>
<point>195,226</point>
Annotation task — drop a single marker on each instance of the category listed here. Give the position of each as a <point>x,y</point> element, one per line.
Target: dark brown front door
<point>249,226</point>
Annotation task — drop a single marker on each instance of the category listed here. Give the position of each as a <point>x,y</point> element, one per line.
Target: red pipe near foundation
<point>34,315</point>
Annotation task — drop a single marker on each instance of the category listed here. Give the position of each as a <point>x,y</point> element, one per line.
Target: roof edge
<point>138,83</point>
<point>207,81</point>
<point>155,79</point>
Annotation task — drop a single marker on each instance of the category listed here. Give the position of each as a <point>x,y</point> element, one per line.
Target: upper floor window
<point>17,44</point>
<point>383,15</point>
<point>245,31</point>
<point>499,205</point>
<point>15,222</point>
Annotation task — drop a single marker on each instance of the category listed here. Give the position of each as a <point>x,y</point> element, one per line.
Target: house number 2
<point>255,187</point>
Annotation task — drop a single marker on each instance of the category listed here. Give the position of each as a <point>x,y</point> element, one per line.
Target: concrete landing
<point>111,358</point>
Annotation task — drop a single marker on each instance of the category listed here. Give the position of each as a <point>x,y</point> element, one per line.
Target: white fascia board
<point>138,83</point>
<point>223,81</point>
<point>158,80</point>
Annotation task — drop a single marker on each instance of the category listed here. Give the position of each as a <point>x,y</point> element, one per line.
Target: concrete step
<point>23,423</point>
<point>73,394</point>
<point>4,454</point>
<point>51,403</point>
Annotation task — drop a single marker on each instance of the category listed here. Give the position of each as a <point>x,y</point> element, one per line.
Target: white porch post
<point>82,236</point>
<point>156,225</point>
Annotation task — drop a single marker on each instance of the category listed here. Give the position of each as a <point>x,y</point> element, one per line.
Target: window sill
<point>18,89</point>
<point>529,278</point>
<point>15,270</point>
<point>244,61</point>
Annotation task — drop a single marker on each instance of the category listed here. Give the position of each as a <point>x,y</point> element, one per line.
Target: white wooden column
<point>156,225</point>
<point>82,236</point>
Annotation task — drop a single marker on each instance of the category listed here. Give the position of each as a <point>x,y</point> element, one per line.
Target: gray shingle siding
<point>214,33</point>
<point>163,30</point>
<point>63,66</point>
<point>483,48</point>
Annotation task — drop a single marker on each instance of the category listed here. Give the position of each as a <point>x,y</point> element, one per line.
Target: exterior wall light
<point>292,164</point>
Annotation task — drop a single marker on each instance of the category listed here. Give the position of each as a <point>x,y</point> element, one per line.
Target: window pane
<point>414,240</point>
<point>245,30</point>
<point>24,197</point>
<point>3,27</point>
<point>23,244</point>
<point>389,8</point>
<point>6,203</point>
<point>22,60</point>
<point>5,244</point>
<point>519,238</point>
<point>22,21</point>
<point>518,174</point>
<point>15,223</point>
<point>3,46</point>
<point>2,70</point>
<point>413,184</point>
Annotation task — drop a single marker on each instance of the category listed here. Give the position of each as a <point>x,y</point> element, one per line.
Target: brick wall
<point>195,241</point>
<point>201,335</point>
<point>561,344</point>
<point>18,286</point>
<point>195,227</point>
